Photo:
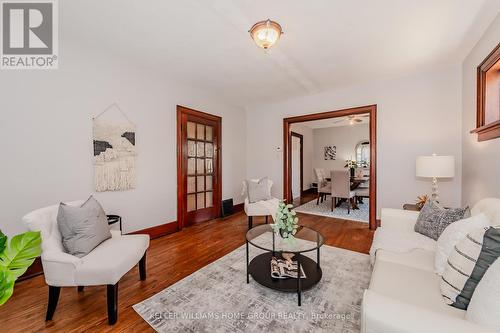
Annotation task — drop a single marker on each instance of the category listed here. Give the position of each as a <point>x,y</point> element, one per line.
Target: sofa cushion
<point>433,218</point>
<point>399,240</point>
<point>467,264</point>
<point>82,227</point>
<point>416,258</point>
<point>454,233</point>
<point>410,285</point>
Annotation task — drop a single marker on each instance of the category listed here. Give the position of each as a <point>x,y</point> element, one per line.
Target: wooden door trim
<point>217,199</point>
<point>301,138</point>
<point>372,111</point>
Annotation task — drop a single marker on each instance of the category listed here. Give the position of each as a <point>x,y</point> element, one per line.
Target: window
<point>488,97</point>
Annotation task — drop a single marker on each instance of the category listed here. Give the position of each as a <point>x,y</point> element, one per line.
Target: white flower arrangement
<point>286,221</point>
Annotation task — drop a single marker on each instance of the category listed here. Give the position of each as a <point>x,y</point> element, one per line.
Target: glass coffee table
<point>264,238</point>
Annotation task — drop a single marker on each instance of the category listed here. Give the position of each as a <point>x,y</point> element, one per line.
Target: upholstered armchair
<point>259,208</point>
<point>324,186</point>
<point>341,188</point>
<point>104,265</point>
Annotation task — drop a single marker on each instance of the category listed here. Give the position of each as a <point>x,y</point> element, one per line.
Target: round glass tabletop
<point>264,237</point>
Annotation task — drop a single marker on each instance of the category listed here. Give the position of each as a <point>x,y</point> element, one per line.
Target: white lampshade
<point>435,166</point>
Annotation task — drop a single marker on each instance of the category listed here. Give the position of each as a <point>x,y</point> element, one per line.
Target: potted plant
<point>15,258</point>
<point>286,221</point>
<point>351,164</point>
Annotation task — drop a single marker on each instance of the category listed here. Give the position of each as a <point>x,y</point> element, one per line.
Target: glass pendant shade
<point>266,33</point>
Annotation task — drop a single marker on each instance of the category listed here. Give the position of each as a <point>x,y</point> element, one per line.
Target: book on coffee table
<point>285,269</point>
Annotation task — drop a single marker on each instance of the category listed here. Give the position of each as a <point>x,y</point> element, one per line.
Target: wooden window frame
<point>492,130</point>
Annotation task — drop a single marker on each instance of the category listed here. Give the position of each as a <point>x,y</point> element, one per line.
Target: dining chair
<point>341,188</point>
<point>324,186</point>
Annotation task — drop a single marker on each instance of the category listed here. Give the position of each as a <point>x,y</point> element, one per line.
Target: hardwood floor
<point>170,258</point>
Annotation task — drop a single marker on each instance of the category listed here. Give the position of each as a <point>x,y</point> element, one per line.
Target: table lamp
<point>435,167</point>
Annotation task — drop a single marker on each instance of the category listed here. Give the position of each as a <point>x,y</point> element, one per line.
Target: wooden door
<point>198,166</point>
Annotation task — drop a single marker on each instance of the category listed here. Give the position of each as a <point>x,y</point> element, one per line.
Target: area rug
<point>325,209</point>
<point>217,298</point>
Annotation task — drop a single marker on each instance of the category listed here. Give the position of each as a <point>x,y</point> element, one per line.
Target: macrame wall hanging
<point>114,152</point>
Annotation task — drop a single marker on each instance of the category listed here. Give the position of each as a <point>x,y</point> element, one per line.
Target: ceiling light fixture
<point>266,33</point>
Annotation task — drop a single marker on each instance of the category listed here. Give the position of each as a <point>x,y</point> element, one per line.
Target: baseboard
<point>311,190</point>
<point>238,208</point>
<point>159,230</point>
<point>34,270</point>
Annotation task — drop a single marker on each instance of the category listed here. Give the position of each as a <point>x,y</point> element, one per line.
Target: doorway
<point>199,180</point>
<point>370,111</point>
<point>297,170</point>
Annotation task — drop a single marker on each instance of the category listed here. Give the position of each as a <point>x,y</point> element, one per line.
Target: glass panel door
<point>201,147</point>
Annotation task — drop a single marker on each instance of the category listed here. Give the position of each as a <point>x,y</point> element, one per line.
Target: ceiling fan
<point>353,119</point>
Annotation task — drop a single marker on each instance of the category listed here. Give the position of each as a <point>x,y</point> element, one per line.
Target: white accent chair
<point>341,188</point>
<point>104,265</point>
<point>324,186</point>
<point>260,208</point>
<point>404,293</point>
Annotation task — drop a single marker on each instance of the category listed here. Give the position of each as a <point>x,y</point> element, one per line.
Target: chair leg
<point>349,202</point>
<point>142,267</point>
<point>250,222</point>
<point>112,296</point>
<point>80,288</point>
<point>333,202</point>
<point>53,299</point>
<point>317,200</point>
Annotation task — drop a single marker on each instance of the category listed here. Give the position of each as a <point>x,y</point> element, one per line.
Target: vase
<point>352,172</point>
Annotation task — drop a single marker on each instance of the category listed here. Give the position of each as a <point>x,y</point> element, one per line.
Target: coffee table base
<point>260,270</point>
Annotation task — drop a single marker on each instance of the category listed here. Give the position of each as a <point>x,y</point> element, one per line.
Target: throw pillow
<point>467,264</point>
<point>452,234</point>
<point>258,190</point>
<point>433,218</point>
<point>82,228</point>
<point>484,307</point>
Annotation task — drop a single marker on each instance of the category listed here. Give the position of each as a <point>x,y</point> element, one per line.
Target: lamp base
<point>435,194</point>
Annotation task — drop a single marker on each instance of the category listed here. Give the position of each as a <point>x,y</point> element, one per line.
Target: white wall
<point>307,134</point>
<point>344,138</point>
<point>417,115</point>
<point>481,160</point>
<point>46,138</point>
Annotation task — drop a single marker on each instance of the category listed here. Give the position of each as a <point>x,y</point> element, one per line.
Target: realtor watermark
<point>29,34</point>
<point>284,316</point>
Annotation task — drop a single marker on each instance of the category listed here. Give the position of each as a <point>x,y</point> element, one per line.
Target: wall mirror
<point>363,153</point>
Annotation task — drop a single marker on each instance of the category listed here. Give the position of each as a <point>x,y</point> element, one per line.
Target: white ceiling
<point>336,122</point>
<point>327,43</point>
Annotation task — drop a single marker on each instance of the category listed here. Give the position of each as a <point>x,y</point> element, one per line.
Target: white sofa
<point>404,293</point>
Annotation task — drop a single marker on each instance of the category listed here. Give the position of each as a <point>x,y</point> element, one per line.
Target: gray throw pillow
<point>82,228</point>
<point>433,218</point>
<point>258,191</point>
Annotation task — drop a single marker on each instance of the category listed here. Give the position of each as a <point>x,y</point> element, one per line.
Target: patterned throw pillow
<point>467,265</point>
<point>433,218</point>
